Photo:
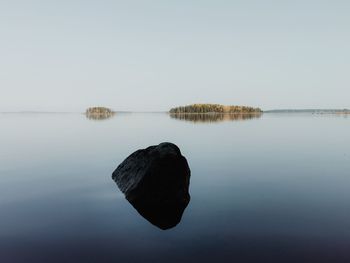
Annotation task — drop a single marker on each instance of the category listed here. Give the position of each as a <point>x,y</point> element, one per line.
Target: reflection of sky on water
<point>275,186</point>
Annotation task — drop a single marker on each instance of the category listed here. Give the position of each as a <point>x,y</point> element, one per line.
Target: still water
<point>271,188</point>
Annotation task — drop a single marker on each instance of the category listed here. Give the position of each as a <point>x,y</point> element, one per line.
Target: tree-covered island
<point>99,113</point>
<point>213,108</point>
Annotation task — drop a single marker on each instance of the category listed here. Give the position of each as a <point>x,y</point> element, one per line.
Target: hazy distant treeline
<point>309,111</point>
<point>213,108</point>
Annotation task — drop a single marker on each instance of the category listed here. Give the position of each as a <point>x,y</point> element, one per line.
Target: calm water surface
<point>274,188</point>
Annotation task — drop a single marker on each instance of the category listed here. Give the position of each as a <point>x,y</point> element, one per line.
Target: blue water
<point>268,189</point>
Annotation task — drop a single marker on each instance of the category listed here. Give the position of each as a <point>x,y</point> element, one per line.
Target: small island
<point>213,108</point>
<point>99,113</point>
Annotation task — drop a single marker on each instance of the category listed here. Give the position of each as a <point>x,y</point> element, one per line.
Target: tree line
<point>213,108</point>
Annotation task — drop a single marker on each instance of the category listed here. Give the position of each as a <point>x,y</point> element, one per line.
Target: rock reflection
<point>156,182</point>
<point>214,117</point>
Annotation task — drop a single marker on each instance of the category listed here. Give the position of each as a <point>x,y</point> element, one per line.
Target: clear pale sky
<point>152,55</point>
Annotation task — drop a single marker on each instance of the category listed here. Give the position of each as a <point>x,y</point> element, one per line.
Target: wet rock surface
<point>156,181</point>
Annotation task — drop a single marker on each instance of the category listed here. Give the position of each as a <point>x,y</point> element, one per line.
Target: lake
<point>271,188</point>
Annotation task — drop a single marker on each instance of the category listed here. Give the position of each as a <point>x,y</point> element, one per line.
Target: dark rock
<point>155,181</point>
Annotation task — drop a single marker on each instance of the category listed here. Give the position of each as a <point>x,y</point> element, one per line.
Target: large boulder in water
<point>155,181</point>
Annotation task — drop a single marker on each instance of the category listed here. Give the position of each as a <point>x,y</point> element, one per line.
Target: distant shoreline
<point>316,111</point>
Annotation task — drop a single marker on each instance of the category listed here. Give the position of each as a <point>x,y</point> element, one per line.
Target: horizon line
<point>162,111</point>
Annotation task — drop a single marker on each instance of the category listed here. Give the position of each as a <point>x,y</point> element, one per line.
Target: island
<point>213,108</point>
<point>99,113</point>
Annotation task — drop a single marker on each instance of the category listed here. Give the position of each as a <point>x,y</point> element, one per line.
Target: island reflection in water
<point>99,116</point>
<point>214,117</point>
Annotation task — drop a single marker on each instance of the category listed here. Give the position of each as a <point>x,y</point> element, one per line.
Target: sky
<point>152,55</point>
